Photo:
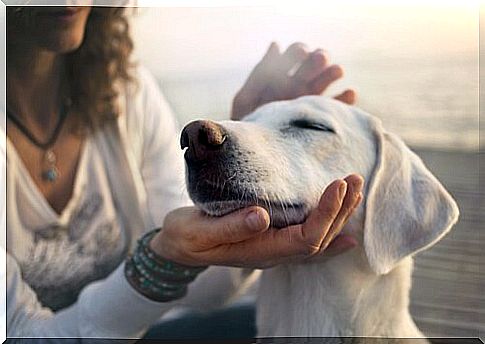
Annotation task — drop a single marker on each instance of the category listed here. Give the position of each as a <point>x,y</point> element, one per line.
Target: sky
<point>175,41</point>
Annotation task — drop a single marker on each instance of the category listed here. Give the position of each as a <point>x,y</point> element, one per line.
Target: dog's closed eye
<point>311,125</point>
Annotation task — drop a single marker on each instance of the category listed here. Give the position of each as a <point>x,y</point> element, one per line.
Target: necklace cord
<point>52,139</point>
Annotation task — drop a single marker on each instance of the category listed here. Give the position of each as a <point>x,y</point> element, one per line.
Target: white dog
<point>281,157</point>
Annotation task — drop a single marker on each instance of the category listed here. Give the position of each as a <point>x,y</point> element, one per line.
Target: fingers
<point>325,79</point>
<point>264,67</point>
<point>312,67</point>
<point>352,198</point>
<point>243,238</point>
<point>271,247</point>
<point>248,97</point>
<point>286,244</point>
<point>281,76</point>
<point>273,51</point>
<point>257,80</point>
<point>295,54</point>
<point>193,238</point>
<point>347,97</point>
<point>235,227</point>
<point>320,219</point>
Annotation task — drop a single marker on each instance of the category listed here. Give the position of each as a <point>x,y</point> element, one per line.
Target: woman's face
<point>56,29</point>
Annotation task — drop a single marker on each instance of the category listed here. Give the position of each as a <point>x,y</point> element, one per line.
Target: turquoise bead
<point>50,175</point>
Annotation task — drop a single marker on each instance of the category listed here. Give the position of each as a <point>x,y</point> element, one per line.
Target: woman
<point>93,163</point>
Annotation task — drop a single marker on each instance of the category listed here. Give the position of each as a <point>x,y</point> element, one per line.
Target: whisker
<point>255,194</point>
<point>232,177</point>
<point>224,185</point>
<point>243,193</point>
<point>285,213</point>
<point>268,204</point>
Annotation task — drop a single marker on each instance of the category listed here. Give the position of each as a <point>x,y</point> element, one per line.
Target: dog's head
<point>283,155</point>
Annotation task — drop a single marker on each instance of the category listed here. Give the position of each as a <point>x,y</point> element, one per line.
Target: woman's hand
<point>282,76</point>
<point>244,239</point>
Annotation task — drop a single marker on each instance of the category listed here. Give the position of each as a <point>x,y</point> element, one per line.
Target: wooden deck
<point>448,296</point>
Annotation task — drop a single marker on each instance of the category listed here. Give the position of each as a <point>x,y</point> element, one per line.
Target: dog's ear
<point>407,209</point>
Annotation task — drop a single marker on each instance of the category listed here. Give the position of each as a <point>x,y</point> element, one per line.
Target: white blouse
<point>60,254</point>
<point>129,177</point>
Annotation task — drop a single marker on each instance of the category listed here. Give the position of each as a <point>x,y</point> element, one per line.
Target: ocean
<point>430,103</point>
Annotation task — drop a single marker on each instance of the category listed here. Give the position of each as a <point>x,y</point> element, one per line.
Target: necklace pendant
<point>51,173</point>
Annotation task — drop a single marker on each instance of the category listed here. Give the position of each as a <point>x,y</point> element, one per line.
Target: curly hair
<point>94,70</point>
<point>100,62</point>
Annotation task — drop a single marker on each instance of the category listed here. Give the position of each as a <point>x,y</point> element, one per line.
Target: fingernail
<point>342,189</point>
<point>255,220</point>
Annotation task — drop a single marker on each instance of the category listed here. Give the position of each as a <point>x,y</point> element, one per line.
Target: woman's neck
<point>33,85</point>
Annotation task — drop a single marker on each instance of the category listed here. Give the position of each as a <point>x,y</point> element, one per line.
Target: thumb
<point>237,226</point>
<point>273,51</point>
<point>257,80</point>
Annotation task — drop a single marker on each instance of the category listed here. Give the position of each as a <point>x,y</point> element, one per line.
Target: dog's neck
<point>338,297</point>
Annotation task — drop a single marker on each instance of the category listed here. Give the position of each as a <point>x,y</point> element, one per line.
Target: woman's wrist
<point>155,277</point>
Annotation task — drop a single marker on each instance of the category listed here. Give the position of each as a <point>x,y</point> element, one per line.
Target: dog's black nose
<point>203,139</point>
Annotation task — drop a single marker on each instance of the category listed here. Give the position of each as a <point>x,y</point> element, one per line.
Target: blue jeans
<point>235,322</point>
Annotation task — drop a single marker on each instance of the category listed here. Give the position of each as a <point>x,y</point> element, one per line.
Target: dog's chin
<point>281,214</point>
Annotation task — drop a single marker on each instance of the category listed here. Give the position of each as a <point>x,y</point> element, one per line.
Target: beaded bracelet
<point>155,277</point>
<point>165,268</point>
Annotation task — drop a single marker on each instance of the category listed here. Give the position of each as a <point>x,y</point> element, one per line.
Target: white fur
<point>364,292</point>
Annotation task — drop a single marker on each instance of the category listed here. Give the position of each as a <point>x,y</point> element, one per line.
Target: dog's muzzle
<point>210,161</point>
<point>220,178</point>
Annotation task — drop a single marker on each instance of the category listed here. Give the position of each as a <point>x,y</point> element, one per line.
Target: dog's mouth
<point>282,213</point>
<point>225,185</point>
